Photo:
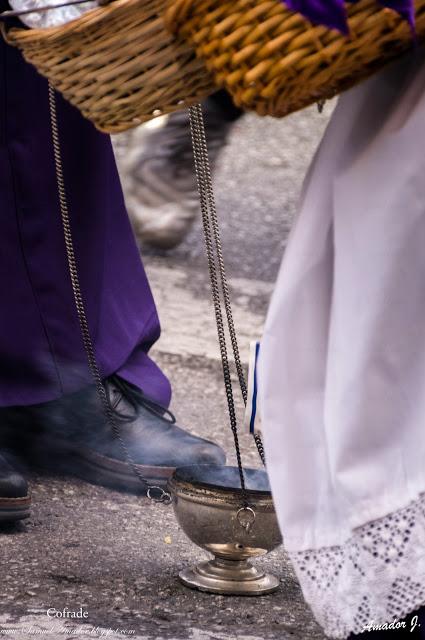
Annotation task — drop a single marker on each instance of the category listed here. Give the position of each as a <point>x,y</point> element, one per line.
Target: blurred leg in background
<point>162,199</point>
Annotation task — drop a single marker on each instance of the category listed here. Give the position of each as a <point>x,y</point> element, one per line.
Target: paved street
<point>117,555</point>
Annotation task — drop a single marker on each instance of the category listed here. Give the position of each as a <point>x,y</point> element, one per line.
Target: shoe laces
<point>118,389</point>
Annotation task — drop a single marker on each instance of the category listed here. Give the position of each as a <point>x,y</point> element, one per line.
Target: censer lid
<point>225,478</point>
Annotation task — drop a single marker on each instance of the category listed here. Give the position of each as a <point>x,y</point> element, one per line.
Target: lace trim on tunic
<point>377,576</point>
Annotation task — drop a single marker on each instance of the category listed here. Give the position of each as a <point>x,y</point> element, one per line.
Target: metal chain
<point>208,186</point>
<point>219,251</point>
<point>219,286</point>
<point>201,178</point>
<point>153,492</point>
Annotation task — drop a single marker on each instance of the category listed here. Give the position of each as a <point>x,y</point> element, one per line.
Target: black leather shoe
<point>74,437</point>
<point>15,500</point>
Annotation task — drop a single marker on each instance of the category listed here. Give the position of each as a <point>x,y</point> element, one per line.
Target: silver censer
<point>212,517</point>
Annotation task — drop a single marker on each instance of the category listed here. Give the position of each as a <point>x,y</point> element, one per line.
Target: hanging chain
<point>208,187</point>
<point>201,178</point>
<point>320,105</point>
<point>219,287</point>
<point>155,493</point>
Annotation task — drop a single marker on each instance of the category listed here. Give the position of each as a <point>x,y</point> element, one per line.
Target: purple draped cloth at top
<point>332,13</point>
<point>41,352</point>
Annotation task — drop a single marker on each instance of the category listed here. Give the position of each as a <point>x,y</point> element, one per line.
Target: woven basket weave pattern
<point>274,62</point>
<point>118,64</point>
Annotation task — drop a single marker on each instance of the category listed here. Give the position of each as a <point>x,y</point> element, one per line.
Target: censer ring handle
<point>246,518</point>
<point>158,494</point>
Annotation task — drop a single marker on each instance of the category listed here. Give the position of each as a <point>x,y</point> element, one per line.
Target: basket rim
<point>90,19</point>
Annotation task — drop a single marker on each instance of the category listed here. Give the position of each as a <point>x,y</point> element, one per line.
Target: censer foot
<point>229,577</point>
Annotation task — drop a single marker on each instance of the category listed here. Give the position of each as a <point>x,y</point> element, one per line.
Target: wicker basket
<point>274,62</point>
<point>117,64</point>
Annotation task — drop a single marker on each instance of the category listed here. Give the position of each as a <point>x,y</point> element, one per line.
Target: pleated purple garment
<point>41,351</point>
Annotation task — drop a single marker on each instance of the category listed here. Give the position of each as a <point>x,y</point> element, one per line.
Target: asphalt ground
<point>115,556</point>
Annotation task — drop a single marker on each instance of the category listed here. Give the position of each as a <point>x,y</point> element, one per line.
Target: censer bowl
<point>207,502</point>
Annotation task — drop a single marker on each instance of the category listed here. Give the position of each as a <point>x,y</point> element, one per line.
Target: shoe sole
<point>108,472</point>
<point>12,509</point>
<point>116,474</point>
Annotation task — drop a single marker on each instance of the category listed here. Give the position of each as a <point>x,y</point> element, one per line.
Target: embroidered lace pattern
<point>377,576</point>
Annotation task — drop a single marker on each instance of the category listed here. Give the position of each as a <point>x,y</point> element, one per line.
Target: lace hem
<point>377,576</point>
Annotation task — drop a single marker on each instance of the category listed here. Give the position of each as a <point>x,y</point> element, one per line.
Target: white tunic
<point>342,365</point>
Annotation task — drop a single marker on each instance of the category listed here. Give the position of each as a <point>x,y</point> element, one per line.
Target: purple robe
<point>41,350</point>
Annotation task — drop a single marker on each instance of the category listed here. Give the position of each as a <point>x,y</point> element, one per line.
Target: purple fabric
<point>332,13</point>
<point>41,352</point>
<point>405,8</point>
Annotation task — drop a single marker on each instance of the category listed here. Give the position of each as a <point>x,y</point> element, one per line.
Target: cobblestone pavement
<point>116,555</point>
